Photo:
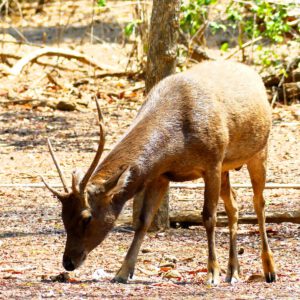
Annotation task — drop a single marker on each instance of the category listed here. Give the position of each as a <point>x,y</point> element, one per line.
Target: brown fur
<point>201,123</point>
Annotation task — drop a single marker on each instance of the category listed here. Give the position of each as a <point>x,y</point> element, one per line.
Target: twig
<point>199,32</point>
<point>4,2</point>
<point>21,35</point>
<point>92,22</point>
<point>247,44</point>
<point>72,13</point>
<point>19,8</point>
<point>18,67</point>
<point>54,81</point>
<point>24,101</point>
<point>119,74</point>
<point>129,3</point>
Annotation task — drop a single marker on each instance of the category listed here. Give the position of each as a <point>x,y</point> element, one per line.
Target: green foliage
<point>224,47</point>
<point>131,27</point>
<point>216,26</point>
<point>260,18</point>
<point>101,3</point>
<point>253,18</point>
<point>194,14</point>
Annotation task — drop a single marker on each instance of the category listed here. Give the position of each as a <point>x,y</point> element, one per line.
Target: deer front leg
<point>228,196</point>
<point>153,196</point>
<point>212,179</point>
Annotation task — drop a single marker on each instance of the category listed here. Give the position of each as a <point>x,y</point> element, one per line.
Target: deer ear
<point>117,182</point>
<point>77,176</point>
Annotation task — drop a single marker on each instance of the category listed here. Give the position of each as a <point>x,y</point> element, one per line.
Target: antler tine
<point>60,196</point>
<point>61,175</point>
<point>99,152</point>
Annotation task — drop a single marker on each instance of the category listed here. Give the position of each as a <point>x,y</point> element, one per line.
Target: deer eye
<point>86,221</point>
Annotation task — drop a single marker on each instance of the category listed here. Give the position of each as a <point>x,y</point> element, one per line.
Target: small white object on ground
<point>101,274</point>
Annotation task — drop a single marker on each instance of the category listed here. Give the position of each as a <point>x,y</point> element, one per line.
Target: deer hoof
<point>119,279</point>
<point>213,279</point>
<point>270,277</point>
<point>232,279</point>
<point>232,275</point>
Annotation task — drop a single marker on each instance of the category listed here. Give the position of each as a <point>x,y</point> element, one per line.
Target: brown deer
<point>200,123</point>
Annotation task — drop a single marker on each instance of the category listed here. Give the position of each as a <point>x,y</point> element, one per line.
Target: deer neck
<point>141,149</point>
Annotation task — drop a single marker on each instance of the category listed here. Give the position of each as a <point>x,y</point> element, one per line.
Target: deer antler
<point>99,152</point>
<point>61,175</point>
<point>60,196</point>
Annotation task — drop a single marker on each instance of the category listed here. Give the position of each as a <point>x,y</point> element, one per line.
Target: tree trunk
<point>161,62</point>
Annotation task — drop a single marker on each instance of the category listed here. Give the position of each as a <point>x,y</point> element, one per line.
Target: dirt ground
<point>32,236</point>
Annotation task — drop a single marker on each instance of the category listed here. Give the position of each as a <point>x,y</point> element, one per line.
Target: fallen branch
<point>188,218</point>
<point>119,74</point>
<point>9,55</point>
<point>249,43</point>
<point>238,185</point>
<point>70,54</point>
<point>44,64</point>
<point>23,101</point>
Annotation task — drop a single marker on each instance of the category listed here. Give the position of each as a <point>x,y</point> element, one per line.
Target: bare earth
<point>172,264</point>
<point>32,235</point>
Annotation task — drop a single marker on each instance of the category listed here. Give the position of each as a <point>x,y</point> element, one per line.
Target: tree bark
<point>161,62</point>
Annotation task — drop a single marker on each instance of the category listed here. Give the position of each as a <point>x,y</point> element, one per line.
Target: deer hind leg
<point>212,179</point>
<point>257,170</point>
<point>231,207</point>
<point>153,196</point>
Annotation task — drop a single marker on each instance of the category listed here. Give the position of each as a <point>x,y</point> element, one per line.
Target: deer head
<point>86,221</point>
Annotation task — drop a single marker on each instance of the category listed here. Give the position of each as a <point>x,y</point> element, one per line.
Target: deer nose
<point>68,264</point>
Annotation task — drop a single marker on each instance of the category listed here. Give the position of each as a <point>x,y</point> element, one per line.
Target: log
<point>292,91</point>
<point>188,218</point>
<point>274,79</point>
<point>192,217</point>
<point>237,185</point>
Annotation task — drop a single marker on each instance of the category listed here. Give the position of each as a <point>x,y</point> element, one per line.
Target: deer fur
<point>204,122</point>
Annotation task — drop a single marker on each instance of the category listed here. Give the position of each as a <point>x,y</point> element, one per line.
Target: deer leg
<point>228,196</point>
<point>212,179</point>
<point>153,196</point>
<point>257,170</point>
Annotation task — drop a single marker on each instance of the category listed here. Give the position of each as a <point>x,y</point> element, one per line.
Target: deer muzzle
<point>70,264</point>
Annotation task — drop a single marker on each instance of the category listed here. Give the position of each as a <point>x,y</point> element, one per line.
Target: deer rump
<point>200,123</point>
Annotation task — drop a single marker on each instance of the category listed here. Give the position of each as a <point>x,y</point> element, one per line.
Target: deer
<point>204,122</point>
